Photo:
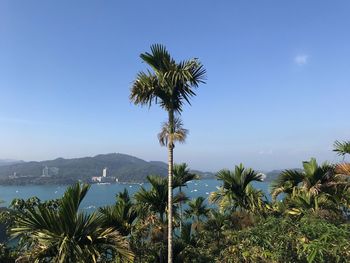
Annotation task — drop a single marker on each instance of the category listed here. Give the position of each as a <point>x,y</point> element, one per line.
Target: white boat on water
<point>90,207</point>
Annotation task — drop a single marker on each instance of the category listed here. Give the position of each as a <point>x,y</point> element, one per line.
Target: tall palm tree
<point>67,235</point>
<point>182,176</point>
<point>179,134</point>
<point>313,178</point>
<point>236,190</point>
<point>170,84</point>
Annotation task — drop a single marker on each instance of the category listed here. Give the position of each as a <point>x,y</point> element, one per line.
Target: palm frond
<point>235,188</point>
<point>179,133</point>
<point>197,208</point>
<point>66,234</point>
<point>170,84</point>
<point>342,148</point>
<point>286,181</point>
<point>182,175</point>
<point>343,168</point>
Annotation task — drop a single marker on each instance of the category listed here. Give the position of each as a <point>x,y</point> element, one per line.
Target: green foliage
<point>182,175</point>
<point>170,84</point>
<point>309,224</point>
<point>287,240</point>
<point>7,255</point>
<point>314,179</point>
<point>197,209</point>
<point>65,234</point>
<point>156,199</point>
<point>21,205</point>
<point>342,148</point>
<point>120,216</point>
<point>236,190</point>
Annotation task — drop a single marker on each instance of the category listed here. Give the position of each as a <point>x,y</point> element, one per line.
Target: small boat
<point>90,207</point>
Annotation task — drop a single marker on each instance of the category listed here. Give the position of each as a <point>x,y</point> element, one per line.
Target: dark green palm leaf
<point>342,148</point>
<point>67,235</point>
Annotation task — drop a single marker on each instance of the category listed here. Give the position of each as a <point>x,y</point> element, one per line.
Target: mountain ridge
<point>124,167</point>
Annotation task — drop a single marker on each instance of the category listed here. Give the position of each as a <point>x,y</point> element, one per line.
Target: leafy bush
<point>309,239</point>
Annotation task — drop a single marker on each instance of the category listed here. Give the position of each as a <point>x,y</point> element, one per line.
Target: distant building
<point>96,179</point>
<point>45,171</point>
<point>104,172</point>
<point>14,176</point>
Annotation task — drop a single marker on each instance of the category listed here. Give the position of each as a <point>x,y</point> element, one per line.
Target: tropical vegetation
<point>170,84</point>
<point>304,218</point>
<point>307,220</point>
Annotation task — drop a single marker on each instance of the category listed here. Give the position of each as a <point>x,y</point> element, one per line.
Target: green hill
<point>62,171</point>
<point>66,171</point>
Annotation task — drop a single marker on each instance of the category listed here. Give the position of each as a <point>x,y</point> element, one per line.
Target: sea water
<point>104,194</point>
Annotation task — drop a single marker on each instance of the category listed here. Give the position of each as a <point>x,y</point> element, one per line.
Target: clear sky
<point>277,92</point>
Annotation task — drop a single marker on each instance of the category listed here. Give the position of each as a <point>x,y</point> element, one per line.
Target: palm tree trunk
<point>170,187</point>
<point>170,205</point>
<point>180,213</point>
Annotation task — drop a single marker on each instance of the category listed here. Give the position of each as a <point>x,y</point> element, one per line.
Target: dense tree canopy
<point>308,223</point>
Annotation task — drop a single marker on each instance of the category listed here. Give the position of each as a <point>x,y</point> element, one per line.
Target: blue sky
<point>277,91</point>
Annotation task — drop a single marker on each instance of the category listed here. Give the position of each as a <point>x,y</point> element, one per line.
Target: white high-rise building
<point>104,172</point>
<point>45,171</point>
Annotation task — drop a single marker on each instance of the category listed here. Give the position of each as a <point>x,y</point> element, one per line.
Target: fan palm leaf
<point>67,235</point>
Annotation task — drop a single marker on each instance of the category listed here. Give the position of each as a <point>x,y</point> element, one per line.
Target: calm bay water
<point>104,194</point>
